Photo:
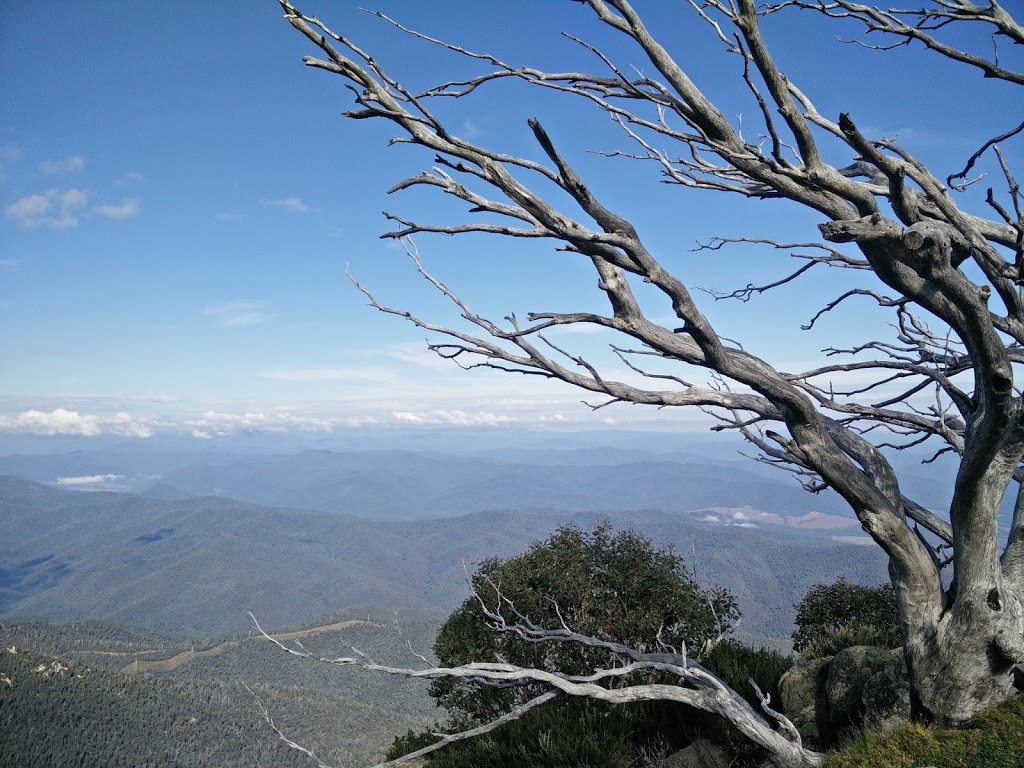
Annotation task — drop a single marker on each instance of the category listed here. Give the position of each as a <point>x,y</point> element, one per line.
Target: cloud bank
<point>61,421</point>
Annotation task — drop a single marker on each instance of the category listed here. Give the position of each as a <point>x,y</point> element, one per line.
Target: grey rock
<point>803,700</point>
<point>886,695</point>
<point>848,673</point>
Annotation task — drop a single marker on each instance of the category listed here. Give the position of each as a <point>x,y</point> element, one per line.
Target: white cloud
<point>452,417</point>
<point>88,479</point>
<point>361,421</point>
<point>29,206</point>
<point>61,421</point>
<point>219,424</point>
<point>54,208</point>
<point>556,418</point>
<point>293,204</point>
<point>225,217</point>
<point>57,422</point>
<point>123,424</point>
<point>125,210</point>
<point>239,313</point>
<point>73,198</point>
<point>67,165</point>
<point>10,265</point>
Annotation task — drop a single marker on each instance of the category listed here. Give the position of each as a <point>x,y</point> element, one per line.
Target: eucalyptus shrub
<point>612,585</point>
<point>840,615</point>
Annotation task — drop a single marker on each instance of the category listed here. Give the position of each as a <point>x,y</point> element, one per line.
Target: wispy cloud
<point>470,129</point>
<point>124,210</point>
<point>157,398</point>
<point>10,265</point>
<point>226,217</point>
<point>293,204</point>
<point>54,208</point>
<point>71,164</point>
<point>922,139</point>
<point>239,313</point>
<point>88,479</point>
<point>416,353</point>
<point>330,374</point>
<point>9,155</point>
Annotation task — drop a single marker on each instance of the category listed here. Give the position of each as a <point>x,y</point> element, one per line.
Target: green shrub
<point>614,586</point>
<point>565,733</point>
<point>832,617</point>
<point>736,664</point>
<point>829,642</point>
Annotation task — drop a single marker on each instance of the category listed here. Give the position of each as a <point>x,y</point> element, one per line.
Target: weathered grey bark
<point>955,269</point>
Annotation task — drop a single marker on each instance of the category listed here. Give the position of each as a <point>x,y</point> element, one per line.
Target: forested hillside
<point>198,566</point>
<point>87,705</point>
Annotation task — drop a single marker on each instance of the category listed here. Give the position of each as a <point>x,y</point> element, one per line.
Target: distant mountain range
<point>200,564</point>
<point>174,544</point>
<point>401,485</point>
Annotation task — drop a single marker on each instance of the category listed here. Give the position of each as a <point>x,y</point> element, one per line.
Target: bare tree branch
<point>951,278</point>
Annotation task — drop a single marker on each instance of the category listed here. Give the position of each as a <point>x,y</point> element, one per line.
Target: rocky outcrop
<point>886,695</point>
<point>848,671</point>
<point>803,700</point>
<point>859,686</point>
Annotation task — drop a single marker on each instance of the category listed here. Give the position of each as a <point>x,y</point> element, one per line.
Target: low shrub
<point>832,617</point>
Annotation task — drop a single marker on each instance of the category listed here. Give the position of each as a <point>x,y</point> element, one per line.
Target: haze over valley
<point>117,552</point>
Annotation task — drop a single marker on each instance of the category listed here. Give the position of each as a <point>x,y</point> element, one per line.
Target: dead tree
<point>952,277</point>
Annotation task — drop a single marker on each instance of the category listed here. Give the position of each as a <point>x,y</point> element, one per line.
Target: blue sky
<point>180,200</point>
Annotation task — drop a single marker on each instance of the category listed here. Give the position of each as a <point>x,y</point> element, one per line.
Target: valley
<point>145,591</point>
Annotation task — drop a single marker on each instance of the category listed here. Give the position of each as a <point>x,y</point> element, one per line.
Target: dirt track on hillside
<point>166,665</point>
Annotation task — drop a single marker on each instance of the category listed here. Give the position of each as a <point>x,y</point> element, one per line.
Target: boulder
<point>848,673</point>
<point>886,695</point>
<point>803,700</point>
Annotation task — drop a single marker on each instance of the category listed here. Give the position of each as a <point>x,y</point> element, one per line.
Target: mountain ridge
<point>203,563</point>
